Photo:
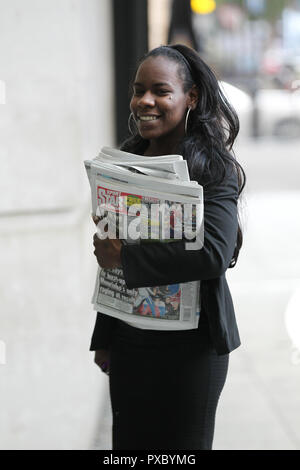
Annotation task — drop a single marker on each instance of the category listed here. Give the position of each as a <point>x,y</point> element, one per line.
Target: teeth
<point>148,118</point>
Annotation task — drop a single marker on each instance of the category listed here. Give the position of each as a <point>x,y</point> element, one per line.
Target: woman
<point>165,385</point>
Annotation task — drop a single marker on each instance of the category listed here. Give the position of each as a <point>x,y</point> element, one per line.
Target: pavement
<point>259,408</point>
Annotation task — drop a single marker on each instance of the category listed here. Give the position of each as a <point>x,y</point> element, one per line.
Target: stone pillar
<point>56,67</point>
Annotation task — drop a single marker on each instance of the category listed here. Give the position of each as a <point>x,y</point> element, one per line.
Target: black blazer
<point>157,264</point>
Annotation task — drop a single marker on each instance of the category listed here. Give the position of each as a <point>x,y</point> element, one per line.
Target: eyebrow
<point>155,84</point>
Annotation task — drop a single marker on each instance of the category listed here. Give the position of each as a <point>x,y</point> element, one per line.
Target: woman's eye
<point>137,92</point>
<point>158,92</point>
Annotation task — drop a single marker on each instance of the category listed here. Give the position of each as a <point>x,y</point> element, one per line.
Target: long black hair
<point>212,127</point>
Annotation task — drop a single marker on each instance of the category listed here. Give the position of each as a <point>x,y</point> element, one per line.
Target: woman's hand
<point>102,360</point>
<point>107,251</point>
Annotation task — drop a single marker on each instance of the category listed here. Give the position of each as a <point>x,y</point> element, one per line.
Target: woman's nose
<point>146,100</point>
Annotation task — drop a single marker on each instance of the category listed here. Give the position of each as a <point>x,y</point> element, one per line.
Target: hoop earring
<point>129,126</point>
<point>186,120</point>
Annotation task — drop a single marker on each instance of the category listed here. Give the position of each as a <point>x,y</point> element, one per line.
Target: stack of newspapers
<point>140,200</point>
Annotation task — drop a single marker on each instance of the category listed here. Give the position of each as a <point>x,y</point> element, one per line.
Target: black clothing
<point>165,385</point>
<point>164,388</point>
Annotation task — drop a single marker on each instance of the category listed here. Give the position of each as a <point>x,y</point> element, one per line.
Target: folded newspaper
<point>142,200</point>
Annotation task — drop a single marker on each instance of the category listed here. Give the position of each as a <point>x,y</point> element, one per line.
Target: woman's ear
<point>193,97</point>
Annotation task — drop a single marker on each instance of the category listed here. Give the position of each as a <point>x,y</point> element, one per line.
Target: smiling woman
<point>165,385</point>
<point>159,104</point>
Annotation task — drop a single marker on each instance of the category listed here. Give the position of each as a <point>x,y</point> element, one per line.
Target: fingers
<point>102,360</point>
<point>107,252</point>
<point>96,240</point>
<point>104,366</point>
<point>96,219</point>
<point>104,244</point>
<point>101,246</point>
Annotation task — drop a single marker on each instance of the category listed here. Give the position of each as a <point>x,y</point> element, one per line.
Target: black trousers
<point>164,388</point>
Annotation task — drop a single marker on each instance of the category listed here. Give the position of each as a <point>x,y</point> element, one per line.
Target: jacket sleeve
<point>158,263</point>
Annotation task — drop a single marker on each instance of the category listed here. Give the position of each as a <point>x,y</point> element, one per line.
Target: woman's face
<point>158,103</point>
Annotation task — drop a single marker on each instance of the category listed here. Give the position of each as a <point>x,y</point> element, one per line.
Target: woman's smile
<point>147,118</point>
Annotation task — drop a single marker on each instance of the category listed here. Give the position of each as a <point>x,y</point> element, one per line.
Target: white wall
<point>56,63</point>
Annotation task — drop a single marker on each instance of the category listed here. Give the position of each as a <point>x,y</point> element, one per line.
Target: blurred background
<point>65,66</point>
